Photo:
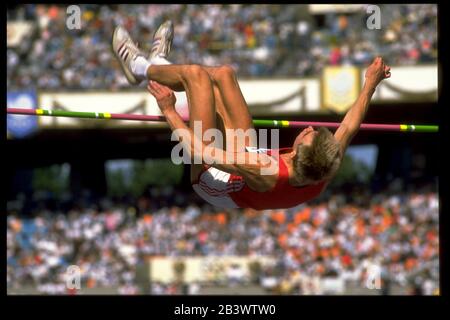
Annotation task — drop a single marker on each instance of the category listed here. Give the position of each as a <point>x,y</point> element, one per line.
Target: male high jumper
<point>214,98</point>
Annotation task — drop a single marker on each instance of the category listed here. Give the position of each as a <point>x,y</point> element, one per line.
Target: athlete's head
<point>316,155</point>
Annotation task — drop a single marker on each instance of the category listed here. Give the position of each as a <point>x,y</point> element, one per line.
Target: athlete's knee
<point>225,72</point>
<point>195,71</point>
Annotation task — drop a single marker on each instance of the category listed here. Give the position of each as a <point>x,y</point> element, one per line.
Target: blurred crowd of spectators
<point>257,40</point>
<point>340,236</point>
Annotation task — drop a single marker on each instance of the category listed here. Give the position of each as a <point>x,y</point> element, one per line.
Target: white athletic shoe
<point>162,41</point>
<point>126,51</point>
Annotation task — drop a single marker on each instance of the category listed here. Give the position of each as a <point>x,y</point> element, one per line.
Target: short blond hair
<point>319,160</point>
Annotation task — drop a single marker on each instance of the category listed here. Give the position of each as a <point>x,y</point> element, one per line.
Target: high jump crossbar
<point>256,122</point>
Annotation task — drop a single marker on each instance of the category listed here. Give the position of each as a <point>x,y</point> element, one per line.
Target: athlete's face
<point>305,137</point>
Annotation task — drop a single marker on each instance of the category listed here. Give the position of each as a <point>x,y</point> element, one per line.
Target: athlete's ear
<point>293,153</point>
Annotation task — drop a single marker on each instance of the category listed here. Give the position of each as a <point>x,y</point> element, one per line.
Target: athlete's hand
<point>164,95</point>
<point>377,72</point>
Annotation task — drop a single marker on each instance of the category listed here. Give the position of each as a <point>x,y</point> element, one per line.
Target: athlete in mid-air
<point>302,171</point>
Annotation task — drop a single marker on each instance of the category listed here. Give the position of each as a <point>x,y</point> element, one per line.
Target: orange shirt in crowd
<point>279,217</point>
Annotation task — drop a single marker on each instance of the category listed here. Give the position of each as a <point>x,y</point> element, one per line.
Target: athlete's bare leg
<point>199,91</point>
<point>230,102</point>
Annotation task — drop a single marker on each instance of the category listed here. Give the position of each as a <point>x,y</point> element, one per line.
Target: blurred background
<point>105,196</point>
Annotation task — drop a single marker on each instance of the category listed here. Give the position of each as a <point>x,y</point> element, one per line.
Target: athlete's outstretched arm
<point>376,72</point>
<point>232,162</point>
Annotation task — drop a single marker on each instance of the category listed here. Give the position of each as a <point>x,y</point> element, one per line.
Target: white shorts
<point>213,187</point>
